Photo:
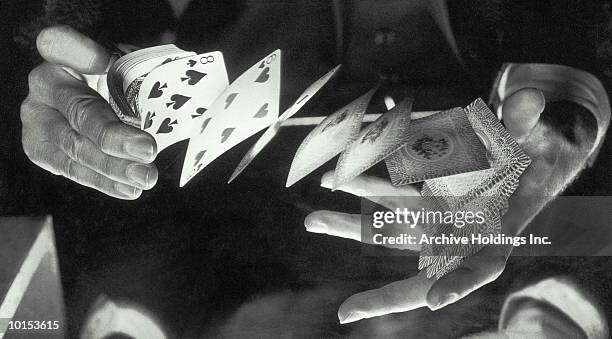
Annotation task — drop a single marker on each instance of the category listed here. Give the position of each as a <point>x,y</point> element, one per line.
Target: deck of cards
<point>464,156</point>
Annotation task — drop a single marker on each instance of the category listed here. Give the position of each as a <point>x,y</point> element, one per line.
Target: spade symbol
<point>149,120</point>
<point>263,64</point>
<point>226,134</point>
<point>264,75</point>
<point>193,77</point>
<point>156,91</point>
<point>166,126</point>
<point>191,63</point>
<point>177,101</point>
<point>204,124</point>
<point>263,111</point>
<point>230,98</point>
<point>198,157</point>
<point>167,61</point>
<point>199,112</point>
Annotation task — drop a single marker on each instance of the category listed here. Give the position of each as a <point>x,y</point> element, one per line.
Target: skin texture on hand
<point>555,162</point>
<point>70,130</point>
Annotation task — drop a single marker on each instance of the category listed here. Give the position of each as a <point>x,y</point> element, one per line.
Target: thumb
<point>475,272</point>
<point>65,46</point>
<point>521,111</point>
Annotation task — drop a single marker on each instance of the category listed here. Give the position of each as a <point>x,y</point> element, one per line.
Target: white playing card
<point>329,138</point>
<point>374,143</point>
<point>176,96</point>
<point>247,106</point>
<point>275,127</point>
<point>308,94</point>
<point>126,75</point>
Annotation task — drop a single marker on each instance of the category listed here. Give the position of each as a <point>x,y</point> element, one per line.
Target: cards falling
<point>439,145</point>
<point>466,158</point>
<point>329,138</point>
<point>176,95</point>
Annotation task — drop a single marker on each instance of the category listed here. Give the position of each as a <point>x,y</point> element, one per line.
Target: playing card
<point>440,260</point>
<point>177,95</point>
<point>440,145</point>
<point>308,94</point>
<point>508,161</point>
<point>125,72</point>
<point>329,138</point>
<point>275,127</point>
<point>247,106</point>
<point>487,190</point>
<point>377,141</point>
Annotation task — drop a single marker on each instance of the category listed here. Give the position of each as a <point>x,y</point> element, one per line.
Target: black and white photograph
<point>305,169</point>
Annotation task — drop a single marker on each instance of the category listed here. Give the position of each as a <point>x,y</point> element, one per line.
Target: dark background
<point>193,255</point>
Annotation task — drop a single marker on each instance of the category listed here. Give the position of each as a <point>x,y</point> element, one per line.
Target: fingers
<point>400,296</point>
<point>65,46</point>
<point>84,151</point>
<point>89,114</point>
<point>521,111</point>
<point>354,227</point>
<point>475,272</point>
<point>44,127</point>
<point>337,224</point>
<point>52,159</point>
<point>377,190</point>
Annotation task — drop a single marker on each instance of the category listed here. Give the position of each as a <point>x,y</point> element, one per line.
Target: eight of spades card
<point>247,106</point>
<point>178,95</point>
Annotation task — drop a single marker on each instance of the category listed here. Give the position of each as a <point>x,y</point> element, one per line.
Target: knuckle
<point>77,110</point>
<point>67,168</point>
<point>498,264</point>
<point>73,143</point>
<point>105,137</point>
<point>109,167</point>
<point>36,78</point>
<point>26,110</point>
<point>101,183</point>
<point>27,147</point>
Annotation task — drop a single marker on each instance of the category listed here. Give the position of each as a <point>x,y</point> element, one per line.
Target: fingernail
<point>446,300</point>
<point>127,190</point>
<point>353,316</point>
<point>314,225</point>
<point>140,174</point>
<point>141,147</point>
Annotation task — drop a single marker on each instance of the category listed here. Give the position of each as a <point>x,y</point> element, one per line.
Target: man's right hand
<point>70,130</point>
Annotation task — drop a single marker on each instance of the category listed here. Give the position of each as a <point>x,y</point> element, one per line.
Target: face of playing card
<point>177,95</point>
<point>377,141</point>
<point>275,127</point>
<point>247,106</point>
<point>126,75</point>
<point>309,93</point>
<point>329,138</point>
<point>440,145</point>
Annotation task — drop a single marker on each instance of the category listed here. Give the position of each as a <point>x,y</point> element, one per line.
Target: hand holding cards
<point>466,158</point>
